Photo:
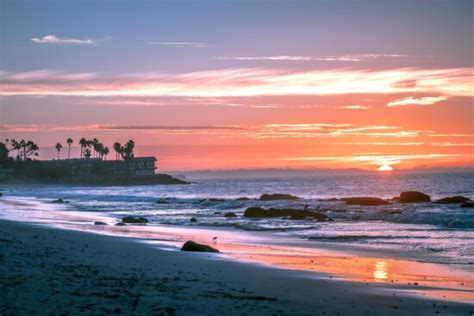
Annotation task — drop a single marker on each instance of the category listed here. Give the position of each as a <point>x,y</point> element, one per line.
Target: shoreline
<point>54,270</point>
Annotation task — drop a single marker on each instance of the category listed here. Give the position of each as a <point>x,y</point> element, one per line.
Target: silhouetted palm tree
<point>105,152</point>
<point>83,143</point>
<point>118,149</point>
<point>69,143</point>
<point>58,148</point>
<point>128,150</point>
<point>95,145</point>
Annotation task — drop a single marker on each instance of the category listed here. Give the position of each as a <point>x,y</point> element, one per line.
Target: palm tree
<point>83,143</point>
<point>128,150</point>
<point>118,149</point>
<point>105,152</point>
<point>95,145</point>
<point>58,148</point>
<point>69,143</point>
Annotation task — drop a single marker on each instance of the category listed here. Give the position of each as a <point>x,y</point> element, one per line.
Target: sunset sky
<point>244,84</point>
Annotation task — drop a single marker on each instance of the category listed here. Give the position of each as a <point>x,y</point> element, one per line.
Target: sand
<point>45,270</point>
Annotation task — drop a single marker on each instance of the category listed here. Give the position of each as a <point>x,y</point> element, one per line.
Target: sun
<point>385,168</point>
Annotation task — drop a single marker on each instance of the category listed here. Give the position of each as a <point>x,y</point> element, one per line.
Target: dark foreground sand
<point>50,271</point>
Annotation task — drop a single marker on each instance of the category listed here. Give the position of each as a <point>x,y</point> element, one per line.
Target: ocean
<point>424,232</point>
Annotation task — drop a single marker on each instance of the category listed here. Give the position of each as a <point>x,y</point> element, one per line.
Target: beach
<point>53,271</point>
<point>63,252</point>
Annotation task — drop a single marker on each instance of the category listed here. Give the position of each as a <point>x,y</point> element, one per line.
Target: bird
<point>214,240</point>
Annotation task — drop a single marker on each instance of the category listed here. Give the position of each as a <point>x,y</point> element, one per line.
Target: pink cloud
<point>242,82</point>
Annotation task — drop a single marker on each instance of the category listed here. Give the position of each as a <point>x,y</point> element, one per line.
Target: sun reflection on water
<point>380,271</point>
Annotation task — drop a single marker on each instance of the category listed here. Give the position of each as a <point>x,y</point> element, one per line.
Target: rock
<point>134,220</point>
<point>211,200</point>
<point>59,201</point>
<point>99,223</point>
<point>162,202</point>
<point>468,204</point>
<point>120,224</point>
<point>366,201</point>
<point>453,200</point>
<point>278,196</point>
<point>259,212</point>
<point>193,220</point>
<point>413,197</point>
<point>309,215</point>
<point>194,246</point>
<point>329,200</point>
<point>230,214</point>
<point>243,199</point>
<point>217,212</point>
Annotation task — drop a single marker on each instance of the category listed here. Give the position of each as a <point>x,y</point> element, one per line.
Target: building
<point>76,168</point>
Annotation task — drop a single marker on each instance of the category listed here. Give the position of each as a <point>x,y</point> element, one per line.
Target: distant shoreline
<point>158,179</point>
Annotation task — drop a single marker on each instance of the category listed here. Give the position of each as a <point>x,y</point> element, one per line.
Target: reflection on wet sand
<point>380,271</point>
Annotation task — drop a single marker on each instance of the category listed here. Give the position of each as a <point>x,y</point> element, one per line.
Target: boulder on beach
<point>259,212</point>
<point>413,197</point>
<point>134,220</point>
<point>194,246</point>
<point>59,201</point>
<point>453,200</point>
<point>366,201</point>
<point>278,196</point>
<point>99,223</point>
<point>230,214</point>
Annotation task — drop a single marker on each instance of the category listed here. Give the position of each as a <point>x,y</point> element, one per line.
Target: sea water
<point>419,231</point>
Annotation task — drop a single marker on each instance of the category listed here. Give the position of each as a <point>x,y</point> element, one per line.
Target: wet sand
<point>46,270</point>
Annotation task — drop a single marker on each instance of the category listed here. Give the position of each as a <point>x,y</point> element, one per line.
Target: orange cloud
<point>244,82</point>
<point>416,101</point>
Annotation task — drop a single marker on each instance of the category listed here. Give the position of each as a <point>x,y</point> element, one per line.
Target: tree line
<point>90,148</point>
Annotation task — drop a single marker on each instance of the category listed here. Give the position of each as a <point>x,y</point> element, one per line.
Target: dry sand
<point>44,270</point>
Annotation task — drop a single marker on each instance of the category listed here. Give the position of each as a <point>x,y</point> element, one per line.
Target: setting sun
<point>385,168</point>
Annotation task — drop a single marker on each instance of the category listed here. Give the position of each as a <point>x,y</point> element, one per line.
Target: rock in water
<point>59,201</point>
<point>468,204</point>
<point>193,220</point>
<point>99,223</point>
<point>194,246</point>
<point>278,196</point>
<point>134,220</point>
<point>259,212</point>
<point>230,214</point>
<point>413,197</point>
<point>453,200</point>
<point>367,201</point>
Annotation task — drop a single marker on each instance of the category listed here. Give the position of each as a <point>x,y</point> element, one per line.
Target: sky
<point>244,84</point>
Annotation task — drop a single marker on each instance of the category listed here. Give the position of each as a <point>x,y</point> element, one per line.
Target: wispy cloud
<point>189,44</point>
<point>53,39</point>
<point>416,101</point>
<point>329,131</point>
<point>354,107</point>
<point>244,82</point>
<point>342,58</point>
